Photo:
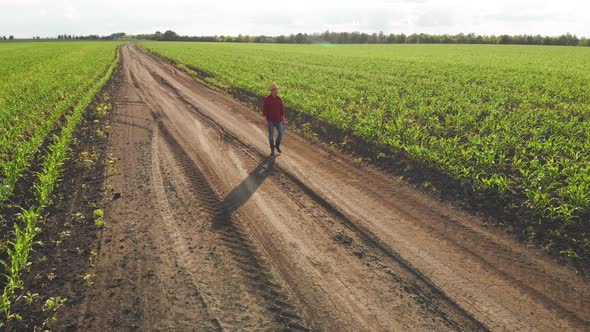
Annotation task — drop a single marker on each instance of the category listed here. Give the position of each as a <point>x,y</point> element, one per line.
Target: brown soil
<point>493,209</point>
<point>63,252</point>
<point>211,233</point>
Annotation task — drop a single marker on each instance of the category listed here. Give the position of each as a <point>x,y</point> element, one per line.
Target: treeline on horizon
<point>112,36</point>
<point>377,38</point>
<point>347,38</point>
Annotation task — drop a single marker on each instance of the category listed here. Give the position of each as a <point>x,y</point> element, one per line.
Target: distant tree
<point>570,40</point>
<point>325,36</point>
<point>343,38</point>
<point>503,39</point>
<point>363,38</point>
<point>372,38</point>
<point>413,39</point>
<point>446,39</point>
<point>299,39</point>
<point>115,36</point>
<point>170,35</point>
<point>262,39</point>
<point>11,37</point>
<point>381,37</point>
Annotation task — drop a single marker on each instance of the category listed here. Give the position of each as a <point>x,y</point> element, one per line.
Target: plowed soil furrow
<point>210,233</point>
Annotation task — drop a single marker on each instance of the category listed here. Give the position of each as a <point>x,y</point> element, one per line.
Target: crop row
<point>40,84</point>
<point>27,225</point>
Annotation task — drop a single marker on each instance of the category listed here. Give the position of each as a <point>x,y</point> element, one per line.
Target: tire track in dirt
<point>137,283</point>
<point>502,283</point>
<point>419,285</point>
<point>211,234</point>
<point>334,291</point>
<point>178,243</point>
<point>501,251</point>
<point>218,213</point>
<point>208,208</point>
<point>562,294</point>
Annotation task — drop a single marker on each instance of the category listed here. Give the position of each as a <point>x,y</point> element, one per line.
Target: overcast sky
<point>27,18</point>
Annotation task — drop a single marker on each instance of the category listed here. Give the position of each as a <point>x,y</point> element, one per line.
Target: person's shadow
<point>242,193</point>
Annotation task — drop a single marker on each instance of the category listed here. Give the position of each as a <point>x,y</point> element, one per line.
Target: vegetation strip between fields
<point>24,234</point>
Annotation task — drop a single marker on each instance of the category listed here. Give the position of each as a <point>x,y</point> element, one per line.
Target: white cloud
<point>25,18</point>
<point>70,12</point>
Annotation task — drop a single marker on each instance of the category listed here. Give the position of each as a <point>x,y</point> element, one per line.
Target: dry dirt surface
<point>211,233</point>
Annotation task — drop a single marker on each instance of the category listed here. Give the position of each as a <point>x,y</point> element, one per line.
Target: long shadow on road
<point>242,193</point>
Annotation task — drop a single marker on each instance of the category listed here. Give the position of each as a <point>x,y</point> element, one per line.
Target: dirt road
<point>210,233</point>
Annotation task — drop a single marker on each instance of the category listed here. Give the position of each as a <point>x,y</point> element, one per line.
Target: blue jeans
<point>271,128</point>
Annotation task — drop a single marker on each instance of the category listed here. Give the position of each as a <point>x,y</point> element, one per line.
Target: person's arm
<point>264,108</point>
<point>283,113</point>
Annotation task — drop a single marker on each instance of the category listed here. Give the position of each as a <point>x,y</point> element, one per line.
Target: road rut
<point>211,233</point>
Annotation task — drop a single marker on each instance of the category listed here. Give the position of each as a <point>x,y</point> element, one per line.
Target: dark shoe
<point>278,150</point>
<point>272,152</point>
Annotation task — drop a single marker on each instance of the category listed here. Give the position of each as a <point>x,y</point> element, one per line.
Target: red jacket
<point>273,109</point>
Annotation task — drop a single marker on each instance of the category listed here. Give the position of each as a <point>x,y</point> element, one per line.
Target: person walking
<point>273,110</point>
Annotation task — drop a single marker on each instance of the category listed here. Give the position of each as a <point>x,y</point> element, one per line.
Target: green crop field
<point>513,121</point>
<point>40,83</point>
<point>45,89</point>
